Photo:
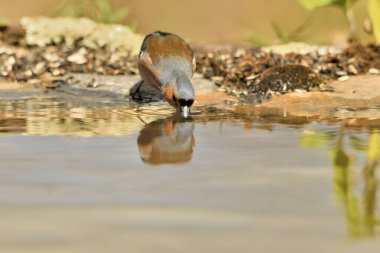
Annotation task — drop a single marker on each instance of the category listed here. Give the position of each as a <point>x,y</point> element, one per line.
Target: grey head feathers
<point>184,87</point>
<point>177,72</point>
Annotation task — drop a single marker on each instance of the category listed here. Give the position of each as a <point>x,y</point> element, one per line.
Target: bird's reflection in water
<point>167,140</point>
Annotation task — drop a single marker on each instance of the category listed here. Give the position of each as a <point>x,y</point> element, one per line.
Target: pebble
<point>217,78</point>
<point>343,78</point>
<point>236,70</point>
<point>40,68</point>
<point>251,77</point>
<point>300,91</point>
<point>341,73</point>
<point>78,58</point>
<point>373,71</point>
<point>35,82</point>
<point>352,69</point>
<point>56,72</point>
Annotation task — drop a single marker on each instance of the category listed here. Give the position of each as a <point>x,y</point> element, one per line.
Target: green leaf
<point>277,29</point>
<point>374,14</point>
<point>312,4</point>
<point>299,30</point>
<point>259,40</point>
<point>4,22</point>
<point>343,3</point>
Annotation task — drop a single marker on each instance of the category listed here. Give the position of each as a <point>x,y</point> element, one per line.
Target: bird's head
<point>180,94</point>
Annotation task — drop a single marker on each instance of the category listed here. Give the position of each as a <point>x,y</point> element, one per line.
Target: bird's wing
<point>157,46</point>
<point>148,72</point>
<point>194,64</point>
<point>161,45</point>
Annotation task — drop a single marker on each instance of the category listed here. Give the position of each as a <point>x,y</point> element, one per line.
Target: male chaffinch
<point>166,62</point>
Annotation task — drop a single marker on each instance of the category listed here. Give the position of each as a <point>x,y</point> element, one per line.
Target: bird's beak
<point>185,111</point>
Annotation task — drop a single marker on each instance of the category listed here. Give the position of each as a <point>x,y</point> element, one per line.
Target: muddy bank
<point>252,74</point>
<point>358,97</point>
<point>290,79</point>
<point>355,102</point>
<point>37,112</point>
<point>112,75</point>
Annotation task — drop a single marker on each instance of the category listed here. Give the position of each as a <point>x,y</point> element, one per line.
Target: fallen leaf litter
<point>247,72</point>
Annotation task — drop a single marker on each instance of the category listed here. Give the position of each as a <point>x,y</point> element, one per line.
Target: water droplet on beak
<point>185,111</point>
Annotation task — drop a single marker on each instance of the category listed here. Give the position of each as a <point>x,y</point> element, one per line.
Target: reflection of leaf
<point>344,187</point>
<point>341,159</point>
<point>360,212</point>
<point>358,144</point>
<point>353,215</point>
<point>370,189</point>
<point>374,14</point>
<point>374,147</point>
<point>311,139</point>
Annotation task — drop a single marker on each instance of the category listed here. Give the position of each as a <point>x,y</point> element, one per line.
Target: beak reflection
<point>185,111</point>
<point>169,141</point>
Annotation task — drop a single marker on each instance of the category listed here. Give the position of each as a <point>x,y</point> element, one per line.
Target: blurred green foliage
<point>294,35</point>
<point>346,6</point>
<point>100,11</point>
<point>374,14</point>
<point>312,4</point>
<point>281,36</point>
<point>344,186</point>
<point>4,21</point>
<point>360,212</point>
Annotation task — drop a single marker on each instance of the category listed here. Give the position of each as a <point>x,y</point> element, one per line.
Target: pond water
<point>74,179</point>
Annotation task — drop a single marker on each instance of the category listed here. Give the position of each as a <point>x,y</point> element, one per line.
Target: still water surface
<point>122,180</point>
